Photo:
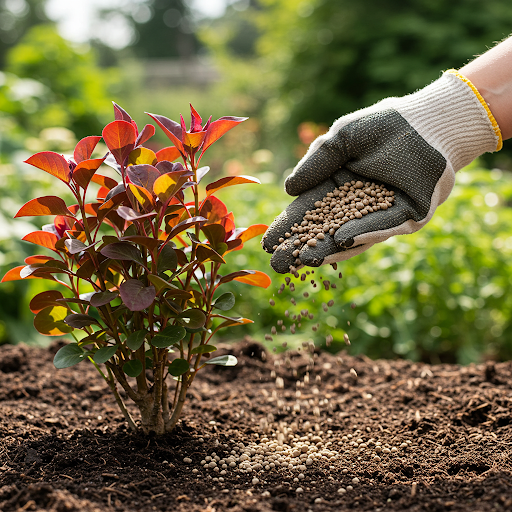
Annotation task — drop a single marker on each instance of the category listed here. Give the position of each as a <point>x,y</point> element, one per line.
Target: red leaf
<point>195,125</point>
<point>120,114</point>
<point>84,171</point>
<point>218,128</point>
<point>104,181</point>
<point>52,163</point>
<point>251,232</point>
<point>47,205</point>
<point>170,154</point>
<point>171,128</point>
<point>255,278</point>
<point>229,181</point>
<point>45,299</point>
<point>84,149</point>
<point>215,233</point>
<point>147,132</point>
<point>120,137</point>
<point>42,238</point>
<point>136,296</point>
<point>14,275</point>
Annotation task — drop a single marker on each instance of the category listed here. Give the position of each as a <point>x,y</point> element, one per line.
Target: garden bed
<point>433,437</point>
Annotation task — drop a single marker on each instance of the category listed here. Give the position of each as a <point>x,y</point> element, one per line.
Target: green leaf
<point>136,339</point>
<point>167,259</point>
<point>169,336</point>
<point>68,355</point>
<point>228,360</point>
<point>132,368</point>
<point>203,349</point>
<point>192,318</point>
<point>104,354</point>
<point>178,367</point>
<point>225,302</point>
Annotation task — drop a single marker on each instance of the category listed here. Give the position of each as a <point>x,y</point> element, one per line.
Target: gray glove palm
<point>412,145</point>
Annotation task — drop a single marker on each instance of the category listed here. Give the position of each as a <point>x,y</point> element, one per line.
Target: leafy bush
<point>441,294</point>
<point>141,265</point>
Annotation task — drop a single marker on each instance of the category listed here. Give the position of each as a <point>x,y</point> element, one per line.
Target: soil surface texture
<point>300,431</point>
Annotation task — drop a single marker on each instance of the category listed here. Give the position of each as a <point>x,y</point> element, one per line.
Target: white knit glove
<point>413,145</point>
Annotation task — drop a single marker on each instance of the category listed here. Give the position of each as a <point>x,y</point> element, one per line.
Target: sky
<point>77,23</point>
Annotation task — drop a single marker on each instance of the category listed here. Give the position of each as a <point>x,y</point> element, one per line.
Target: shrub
<point>141,264</point>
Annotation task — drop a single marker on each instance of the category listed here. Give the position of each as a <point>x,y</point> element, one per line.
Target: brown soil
<point>64,446</point>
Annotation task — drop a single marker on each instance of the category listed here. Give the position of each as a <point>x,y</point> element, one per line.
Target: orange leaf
<point>46,205</point>
<point>14,275</point>
<point>84,171</point>
<point>170,154</point>
<point>120,137</point>
<point>213,209</point>
<point>229,181</point>
<point>251,232</point>
<point>218,128</point>
<point>104,181</point>
<point>42,238</point>
<point>84,148</point>
<point>142,195</point>
<point>167,185</point>
<point>37,259</point>
<point>52,163</point>
<point>141,156</point>
<point>45,299</point>
<point>255,278</point>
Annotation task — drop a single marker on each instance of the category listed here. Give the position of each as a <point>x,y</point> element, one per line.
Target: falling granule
<point>333,286</point>
<point>284,344</point>
<point>353,305</point>
<point>268,337</point>
<point>303,277</point>
<point>353,373</point>
<point>292,329</point>
<point>314,328</point>
<point>287,280</point>
<point>279,322</point>
<point>306,295</point>
<point>293,301</point>
<point>334,266</point>
<point>328,340</point>
<point>292,287</point>
<point>340,275</point>
<point>326,284</point>
<point>330,303</point>
<point>346,338</point>
<point>311,316</point>
<point>283,328</point>
<point>281,289</point>
<point>312,281</point>
<point>286,313</point>
<point>324,307</point>
<point>272,302</point>
<point>273,330</point>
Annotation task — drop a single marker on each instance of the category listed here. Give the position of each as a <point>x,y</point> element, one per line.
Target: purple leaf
<point>143,175</point>
<point>126,213</point>
<point>136,296</point>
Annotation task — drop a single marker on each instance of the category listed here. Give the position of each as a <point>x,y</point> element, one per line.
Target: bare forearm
<point>491,74</point>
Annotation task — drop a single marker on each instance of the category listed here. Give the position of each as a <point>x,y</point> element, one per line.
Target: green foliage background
<point>442,294</point>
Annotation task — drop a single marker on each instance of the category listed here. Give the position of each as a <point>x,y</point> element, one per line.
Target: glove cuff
<point>451,115</point>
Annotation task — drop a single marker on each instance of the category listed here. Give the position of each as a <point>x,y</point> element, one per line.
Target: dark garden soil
<point>433,438</point>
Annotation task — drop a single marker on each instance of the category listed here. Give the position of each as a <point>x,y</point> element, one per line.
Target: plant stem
<point>127,416</point>
<point>179,404</point>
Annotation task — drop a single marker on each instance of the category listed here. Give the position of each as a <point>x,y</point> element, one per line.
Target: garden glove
<point>413,145</point>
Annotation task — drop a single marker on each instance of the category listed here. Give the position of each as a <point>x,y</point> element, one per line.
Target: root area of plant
<point>390,435</point>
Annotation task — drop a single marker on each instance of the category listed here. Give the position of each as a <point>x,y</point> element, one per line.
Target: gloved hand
<point>413,145</point>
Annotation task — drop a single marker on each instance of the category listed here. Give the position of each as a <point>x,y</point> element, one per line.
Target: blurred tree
<point>50,82</point>
<point>162,28</point>
<point>16,17</point>
<point>335,57</point>
<point>321,59</point>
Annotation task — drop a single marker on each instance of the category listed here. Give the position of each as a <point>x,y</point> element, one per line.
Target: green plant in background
<point>61,82</point>
<point>441,294</point>
<point>141,264</point>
